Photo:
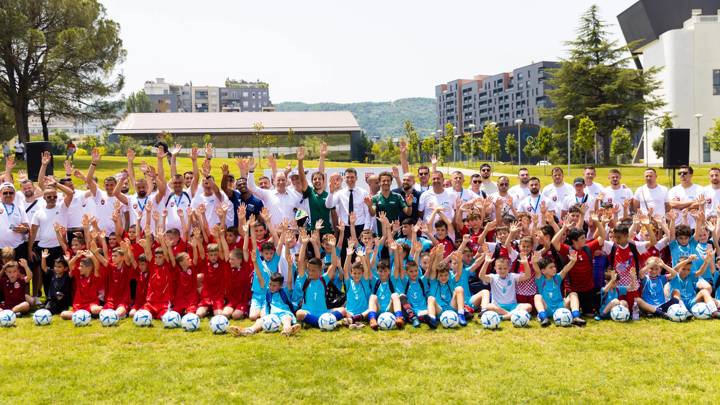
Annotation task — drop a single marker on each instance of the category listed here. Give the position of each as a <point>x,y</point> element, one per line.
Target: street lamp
<point>568,118</point>
<point>454,141</point>
<point>472,141</point>
<point>700,140</point>
<point>519,122</point>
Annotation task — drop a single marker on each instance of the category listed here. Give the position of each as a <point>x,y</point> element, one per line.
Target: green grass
<point>647,361</point>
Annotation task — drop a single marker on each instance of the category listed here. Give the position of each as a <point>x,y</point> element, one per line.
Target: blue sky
<point>342,51</point>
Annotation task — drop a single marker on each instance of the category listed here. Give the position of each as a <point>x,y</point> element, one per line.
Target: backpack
<point>390,283</point>
<point>422,287</point>
<point>283,296</point>
<point>633,250</point>
<point>334,298</point>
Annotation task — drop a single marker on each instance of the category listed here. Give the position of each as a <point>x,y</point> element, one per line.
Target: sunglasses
<point>423,173</point>
<point>503,184</point>
<point>51,197</point>
<point>684,173</point>
<point>477,181</point>
<point>485,170</point>
<point>8,192</point>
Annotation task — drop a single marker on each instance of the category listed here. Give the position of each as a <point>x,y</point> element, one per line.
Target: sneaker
<point>400,323</point>
<point>295,329</point>
<point>545,322</point>
<point>578,321</point>
<point>716,315</point>
<point>415,322</point>
<point>433,323</point>
<point>597,318</point>
<point>461,320</point>
<point>234,330</point>
<point>247,332</point>
<point>373,324</point>
<point>356,326</point>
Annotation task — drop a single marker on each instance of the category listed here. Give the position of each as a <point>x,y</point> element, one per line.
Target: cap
<point>7,184</point>
<point>578,180</point>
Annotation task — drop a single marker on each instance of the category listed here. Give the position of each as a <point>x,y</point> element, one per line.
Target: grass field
<point>647,361</point>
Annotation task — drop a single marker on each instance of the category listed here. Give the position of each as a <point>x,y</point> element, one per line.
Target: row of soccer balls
<point>386,321</point>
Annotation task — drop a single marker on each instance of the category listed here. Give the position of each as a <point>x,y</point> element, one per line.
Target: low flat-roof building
<point>249,133</point>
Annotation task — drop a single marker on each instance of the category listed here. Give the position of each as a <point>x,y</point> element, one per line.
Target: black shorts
<point>589,301</point>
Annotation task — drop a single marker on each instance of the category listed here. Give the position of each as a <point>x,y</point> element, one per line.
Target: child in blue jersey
<point>502,298</point>
<point>683,243</point>
<point>357,287</point>
<point>268,261</point>
<point>610,294</point>
<point>413,296</point>
<point>653,299</point>
<point>313,287</point>
<point>444,293</point>
<point>277,302</point>
<point>549,283</point>
<point>469,265</point>
<point>384,296</point>
<point>686,280</point>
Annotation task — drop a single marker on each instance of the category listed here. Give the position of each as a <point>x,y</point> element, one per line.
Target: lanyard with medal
<point>142,205</point>
<point>9,213</point>
<point>537,203</point>
<point>177,199</point>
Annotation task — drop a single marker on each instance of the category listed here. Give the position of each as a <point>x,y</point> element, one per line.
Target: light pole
<point>700,140</point>
<point>519,122</point>
<point>437,143</point>
<point>568,118</point>
<point>454,139</point>
<point>472,142</point>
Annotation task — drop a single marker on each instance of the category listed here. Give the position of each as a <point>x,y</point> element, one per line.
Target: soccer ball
<point>677,313</point>
<point>701,311</point>
<point>327,321</point>
<point>42,317</point>
<point>449,319</point>
<point>490,320</point>
<point>562,317</point>
<point>386,321</point>
<point>143,318</point>
<point>219,324</point>
<point>81,318</point>
<point>7,318</point>
<point>620,314</point>
<point>520,318</point>
<point>171,320</point>
<point>190,322</point>
<point>108,317</point>
<point>271,323</point>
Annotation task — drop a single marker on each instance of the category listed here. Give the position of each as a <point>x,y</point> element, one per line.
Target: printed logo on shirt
<point>102,202</point>
<point>172,204</point>
<point>188,272</point>
<point>554,198</point>
<point>1,211</point>
<point>134,206</point>
<point>17,284</point>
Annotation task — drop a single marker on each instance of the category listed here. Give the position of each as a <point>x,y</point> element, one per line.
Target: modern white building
<point>689,58</point>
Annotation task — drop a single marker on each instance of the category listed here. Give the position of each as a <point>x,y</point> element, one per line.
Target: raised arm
<point>572,257</point>
<point>323,156</point>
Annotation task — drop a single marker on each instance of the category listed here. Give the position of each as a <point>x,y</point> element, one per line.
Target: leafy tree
<point>584,140</point>
<point>413,142</point>
<point>490,142</point>
<point>446,143</point>
<point>428,146</point>
<point>511,146</point>
<point>658,145</point>
<point>138,102</point>
<point>543,143</point>
<point>469,145</point>
<point>598,81</point>
<point>7,125</point>
<point>59,56</point>
<point>713,136</point>
<point>207,138</point>
<point>621,143</point>
<point>291,137</point>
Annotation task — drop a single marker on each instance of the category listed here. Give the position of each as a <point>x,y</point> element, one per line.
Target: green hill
<point>382,119</point>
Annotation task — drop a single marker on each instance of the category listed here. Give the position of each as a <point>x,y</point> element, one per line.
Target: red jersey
<point>215,274</point>
<point>186,293</point>
<point>239,284</point>
<point>141,289</point>
<point>449,246</point>
<point>581,275</point>
<point>118,285</point>
<point>180,247</point>
<point>85,289</point>
<point>160,284</point>
<point>13,291</point>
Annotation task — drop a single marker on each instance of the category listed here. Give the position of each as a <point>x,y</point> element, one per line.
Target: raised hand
<point>194,152</point>
<point>323,149</point>
<point>225,169</point>
<point>68,166</point>
<point>209,151</point>
<point>301,153</point>
<point>130,155</point>
<point>45,159</point>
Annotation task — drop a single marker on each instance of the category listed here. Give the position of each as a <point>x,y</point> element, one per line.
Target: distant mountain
<point>383,119</point>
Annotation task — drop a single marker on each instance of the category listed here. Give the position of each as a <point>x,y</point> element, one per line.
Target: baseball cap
<point>578,180</point>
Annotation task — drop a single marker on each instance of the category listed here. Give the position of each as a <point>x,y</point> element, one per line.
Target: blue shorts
<point>282,314</point>
<point>257,304</point>
<point>508,307</point>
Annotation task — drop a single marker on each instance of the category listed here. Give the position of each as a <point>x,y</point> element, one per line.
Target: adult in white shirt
<point>14,223</point>
<point>616,193</point>
<point>521,190</point>
<point>651,195</point>
<point>176,198</point>
<point>29,198</point>
<point>458,179</point>
<point>488,186</point>
<point>712,193</point>
<point>137,204</point>
<point>436,197</point>
<point>502,195</point>
<point>350,199</point>
<point>281,201</point>
<point>685,195</point>
<point>579,197</point>
<point>592,188</point>
<point>533,203</point>
<point>212,198</point>
<point>558,190</point>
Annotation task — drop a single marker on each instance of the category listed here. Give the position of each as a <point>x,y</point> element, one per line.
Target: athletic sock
<point>338,316</point>
<point>372,315</point>
<point>461,310</point>
<point>575,314</point>
<point>542,315</point>
<point>357,318</point>
<point>398,314</point>
<point>311,319</point>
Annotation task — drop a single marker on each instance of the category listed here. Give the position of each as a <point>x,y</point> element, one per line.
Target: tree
<point>597,81</point>
<point>468,146</point>
<point>713,136</point>
<point>7,127</point>
<point>584,140</point>
<point>446,143</point>
<point>428,146</point>
<point>543,143</point>
<point>291,138</point>
<point>57,55</point>
<point>621,145</point>
<point>511,146</point>
<point>138,102</point>
<point>658,145</point>
<point>413,142</point>
<point>490,142</point>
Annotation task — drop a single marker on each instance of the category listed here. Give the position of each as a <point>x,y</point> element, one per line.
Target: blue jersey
<point>443,293</point>
<point>258,292</point>
<point>358,295</point>
<point>551,291</point>
<point>677,250</point>
<point>653,289</point>
<point>383,290</point>
<point>314,295</point>
<point>686,287</point>
<point>425,242</point>
<point>415,291</point>
<point>464,282</point>
<point>607,296</point>
<point>277,304</point>
<point>701,253</point>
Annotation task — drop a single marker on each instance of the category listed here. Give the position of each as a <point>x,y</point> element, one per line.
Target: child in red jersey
<point>160,276</point>
<point>239,283</point>
<point>214,272</point>
<point>185,299</point>
<point>86,284</point>
<point>14,286</point>
<point>142,275</point>
<point>117,271</point>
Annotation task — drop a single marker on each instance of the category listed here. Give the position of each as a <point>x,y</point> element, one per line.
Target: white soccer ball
<point>490,320</point>
<point>271,323</point>
<point>7,318</point>
<point>701,311</point>
<point>449,319</point>
<point>171,320</point>
<point>81,318</point>
<point>386,321</point>
<point>42,317</point>
<point>327,321</point>
<point>219,324</point>
<point>190,322</point>
<point>520,318</point>
<point>677,313</point>
<point>562,317</point>
<point>620,314</point>
<point>108,317</point>
<point>143,318</point>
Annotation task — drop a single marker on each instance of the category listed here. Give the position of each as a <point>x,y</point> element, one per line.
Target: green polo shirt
<point>391,205</point>
<point>317,209</point>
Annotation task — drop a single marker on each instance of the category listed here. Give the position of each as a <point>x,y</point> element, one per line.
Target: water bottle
<point>635,312</point>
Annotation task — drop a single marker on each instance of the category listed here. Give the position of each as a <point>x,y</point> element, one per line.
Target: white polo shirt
<point>654,198</point>
<point>557,195</point>
<point>11,215</point>
<point>45,219</point>
<point>429,200</point>
<point>104,208</point>
<point>79,206</point>
<point>211,204</point>
<point>682,194</point>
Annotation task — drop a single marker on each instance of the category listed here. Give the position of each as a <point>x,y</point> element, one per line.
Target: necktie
<point>350,202</point>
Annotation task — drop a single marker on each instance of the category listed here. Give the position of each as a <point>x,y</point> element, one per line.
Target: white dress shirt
<point>340,200</point>
<point>280,205</point>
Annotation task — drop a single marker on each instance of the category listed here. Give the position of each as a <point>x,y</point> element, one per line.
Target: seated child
<point>549,284</point>
<point>502,298</point>
<point>14,287</point>
<point>86,284</point>
<point>60,295</point>
<point>652,284</point>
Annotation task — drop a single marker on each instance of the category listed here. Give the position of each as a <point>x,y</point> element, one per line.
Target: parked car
<point>543,163</point>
